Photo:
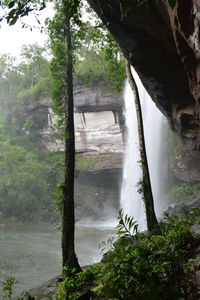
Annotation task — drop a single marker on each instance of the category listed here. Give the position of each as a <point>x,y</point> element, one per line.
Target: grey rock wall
<point>98,115</point>
<point>97,194</point>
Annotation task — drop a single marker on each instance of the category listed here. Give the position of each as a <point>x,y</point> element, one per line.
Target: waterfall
<point>131,200</point>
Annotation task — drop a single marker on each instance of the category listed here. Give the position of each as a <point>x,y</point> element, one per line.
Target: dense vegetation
<point>28,178</point>
<point>143,266</point>
<point>24,80</point>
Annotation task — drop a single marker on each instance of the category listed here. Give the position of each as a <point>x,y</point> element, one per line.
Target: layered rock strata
<point>98,115</point>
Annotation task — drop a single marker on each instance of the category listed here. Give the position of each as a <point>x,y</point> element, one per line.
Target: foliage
<point>185,191</point>
<point>8,284</point>
<point>140,186</point>
<point>26,81</point>
<point>15,9</point>
<point>28,176</point>
<point>90,68</point>
<point>34,70</point>
<point>141,7</point>
<point>73,285</point>
<point>58,199</point>
<point>151,268</point>
<point>174,145</point>
<point>134,270</point>
<point>25,295</point>
<point>24,180</point>
<point>105,246</point>
<point>10,81</point>
<point>148,267</point>
<point>55,31</point>
<point>126,225</point>
<point>35,93</point>
<point>95,55</point>
<point>29,124</point>
<point>57,35</point>
<point>100,58</point>
<point>172,3</point>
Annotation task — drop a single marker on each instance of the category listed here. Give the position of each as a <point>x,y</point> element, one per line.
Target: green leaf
<point>11,4</point>
<point>127,11</point>
<point>172,3</point>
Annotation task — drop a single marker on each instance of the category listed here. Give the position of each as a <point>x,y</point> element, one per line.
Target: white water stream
<point>131,201</point>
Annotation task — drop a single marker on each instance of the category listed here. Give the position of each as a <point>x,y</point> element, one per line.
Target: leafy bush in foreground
<point>146,266</point>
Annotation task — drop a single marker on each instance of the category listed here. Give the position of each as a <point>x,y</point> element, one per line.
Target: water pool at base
<point>32,253</point>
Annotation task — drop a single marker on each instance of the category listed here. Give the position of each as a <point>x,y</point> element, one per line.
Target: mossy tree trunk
<point>69,258</point>
<point>152,223</point>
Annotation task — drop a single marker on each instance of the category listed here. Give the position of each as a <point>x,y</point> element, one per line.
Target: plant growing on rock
<point>73,285</point>
<point>8,284</point>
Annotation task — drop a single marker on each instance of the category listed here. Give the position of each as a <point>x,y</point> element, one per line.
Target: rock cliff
<point>163,45</point>
<point>98,115</point>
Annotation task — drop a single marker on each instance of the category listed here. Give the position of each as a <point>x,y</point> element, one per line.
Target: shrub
<point>153,267</point>
<point>73,285</point>
<point>8,284</point>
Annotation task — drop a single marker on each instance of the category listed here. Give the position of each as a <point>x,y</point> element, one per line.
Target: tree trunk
<point>152,223</point>
<point>68,218</point>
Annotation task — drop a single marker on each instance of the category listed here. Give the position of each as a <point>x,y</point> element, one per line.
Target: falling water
<point>131,200</point>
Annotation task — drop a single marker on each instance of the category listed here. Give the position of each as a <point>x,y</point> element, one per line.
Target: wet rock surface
<point>97,194</point>
<point>178,208</point>
<point>163,45</point>
<point>45,290</point>
<point>149,41</point>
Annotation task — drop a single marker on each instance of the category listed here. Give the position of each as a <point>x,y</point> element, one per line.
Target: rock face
<point>37,111</point>
<point>97,194</point>
<point>99,121</point>
<point>97,97</point>
<point>163,45</point>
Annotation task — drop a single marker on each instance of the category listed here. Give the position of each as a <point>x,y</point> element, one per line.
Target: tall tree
<point>10,81</point>
<point>33,64</point>
<point>68,252</point>
<point>60,30</point>
<point>152,223</point>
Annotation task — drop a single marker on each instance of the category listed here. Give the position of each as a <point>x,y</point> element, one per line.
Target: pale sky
<point>13,37</point>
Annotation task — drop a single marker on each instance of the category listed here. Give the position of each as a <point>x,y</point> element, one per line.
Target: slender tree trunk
<point>68,226</point>
<point>152,223</point>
